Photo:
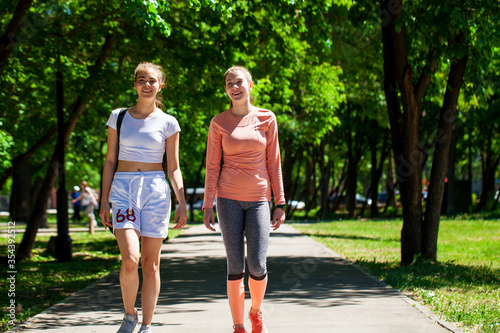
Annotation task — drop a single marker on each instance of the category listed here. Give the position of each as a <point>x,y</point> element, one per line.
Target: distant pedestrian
<point>88,201</point>
<point>134,184</point>
<point>76,204</point>
<point>245,137</point>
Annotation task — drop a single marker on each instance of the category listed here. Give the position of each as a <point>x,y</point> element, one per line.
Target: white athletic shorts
<point>141,201</point>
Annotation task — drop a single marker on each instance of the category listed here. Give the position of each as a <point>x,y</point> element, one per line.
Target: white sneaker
<point>145,329</point>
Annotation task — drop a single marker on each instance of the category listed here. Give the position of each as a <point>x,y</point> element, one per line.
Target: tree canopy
<point>364,92</point>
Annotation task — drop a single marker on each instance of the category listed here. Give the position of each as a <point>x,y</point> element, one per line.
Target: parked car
<point>360,200</point>
<point>198,205</point>
<point>382,197</point>
<point>299,205</point>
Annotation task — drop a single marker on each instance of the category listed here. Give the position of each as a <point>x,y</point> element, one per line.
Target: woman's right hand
<point>209,218</point>
<point>104,214</point>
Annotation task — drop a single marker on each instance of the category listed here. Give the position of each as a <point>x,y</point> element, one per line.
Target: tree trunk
<point>354,145</point>
<point>40,207</point>
<point>195,185</point>
<point>443,139</point>
<point>411,199</point>
<point>39,210</point>
<point>451,195</point>
<point>352,176</point>
<point>390,185</point>
<point>287,167</point>
<point>376,171</point>
<point>294,183</point>
<point>310,183</point>
<point>404,129</point>
<point>338,191</point>
<point>324,181</point>
<point>20,199</point>
<point>325,184</point>
<point>409,172</point>
<point>490,165</point>
<point>375,178</point>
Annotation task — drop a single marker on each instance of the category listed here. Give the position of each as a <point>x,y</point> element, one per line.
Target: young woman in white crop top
<point>134,184</point>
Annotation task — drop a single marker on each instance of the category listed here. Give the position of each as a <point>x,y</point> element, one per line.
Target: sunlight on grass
<point>462,287</point>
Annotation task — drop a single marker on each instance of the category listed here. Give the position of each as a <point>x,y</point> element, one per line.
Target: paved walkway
<point>310,289</point>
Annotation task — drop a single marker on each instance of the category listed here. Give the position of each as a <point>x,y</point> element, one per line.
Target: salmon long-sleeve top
<point>250,152</point>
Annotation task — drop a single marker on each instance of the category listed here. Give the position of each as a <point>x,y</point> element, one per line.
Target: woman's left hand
<point>180,217</point>
<point>278,219</point>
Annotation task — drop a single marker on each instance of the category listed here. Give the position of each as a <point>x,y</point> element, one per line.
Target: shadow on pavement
<point>306,282</point>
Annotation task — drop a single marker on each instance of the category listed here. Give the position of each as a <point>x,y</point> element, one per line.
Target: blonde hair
<point>245,72</point>
<point>161,78</point>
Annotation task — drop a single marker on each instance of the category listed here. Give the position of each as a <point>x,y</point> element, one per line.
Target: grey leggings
<point>239,219</point>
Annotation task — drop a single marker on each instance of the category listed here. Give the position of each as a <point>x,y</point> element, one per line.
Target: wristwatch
<point>282,206</point>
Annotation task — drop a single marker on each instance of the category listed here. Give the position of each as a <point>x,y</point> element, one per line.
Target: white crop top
<point>143,140</point>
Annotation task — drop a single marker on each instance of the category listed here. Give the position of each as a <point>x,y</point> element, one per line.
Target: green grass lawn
<point>41,281</point>
<point>462,287</point>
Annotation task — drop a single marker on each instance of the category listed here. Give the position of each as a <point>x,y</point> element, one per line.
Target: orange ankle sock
<point>236,296</point>
<point>257,291</point>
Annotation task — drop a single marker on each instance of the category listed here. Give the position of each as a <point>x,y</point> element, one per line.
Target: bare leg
<point>236,296</point>
<point>128,241</point>
<point>257,292</point>
<point>150,262</point>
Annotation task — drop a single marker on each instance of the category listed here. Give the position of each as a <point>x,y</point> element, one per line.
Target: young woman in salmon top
<point>246,137</point>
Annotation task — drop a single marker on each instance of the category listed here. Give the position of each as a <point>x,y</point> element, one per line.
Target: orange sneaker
<point>238,329</point>
<point>257,323</point>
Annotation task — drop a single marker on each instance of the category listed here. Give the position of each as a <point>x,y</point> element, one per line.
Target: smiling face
<point>147,83</point>
<point>238,86</point>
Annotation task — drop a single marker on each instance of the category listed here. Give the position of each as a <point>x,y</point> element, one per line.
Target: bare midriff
<point>133,166</point>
